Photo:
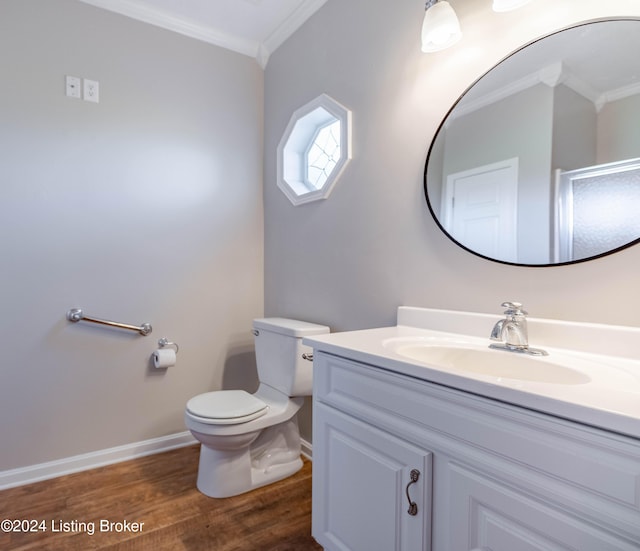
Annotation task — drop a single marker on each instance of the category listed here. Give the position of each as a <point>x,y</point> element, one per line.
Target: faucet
<point>512,331</point>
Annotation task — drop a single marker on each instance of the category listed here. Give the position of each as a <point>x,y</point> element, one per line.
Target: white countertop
<point>609,400</point>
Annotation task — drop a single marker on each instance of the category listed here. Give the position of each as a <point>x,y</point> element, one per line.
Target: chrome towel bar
<point>76,314</point>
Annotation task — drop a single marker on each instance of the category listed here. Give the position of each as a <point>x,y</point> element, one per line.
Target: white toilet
<point>250,440</point>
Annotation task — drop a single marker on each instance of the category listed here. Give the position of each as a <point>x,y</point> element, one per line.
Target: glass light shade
<point>508,5</point>
<point>440,28</point>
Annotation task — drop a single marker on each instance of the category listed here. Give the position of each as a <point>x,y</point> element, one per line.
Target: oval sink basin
<point>492,363</point>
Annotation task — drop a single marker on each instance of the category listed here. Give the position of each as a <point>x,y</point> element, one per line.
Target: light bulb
<point>440,28</point>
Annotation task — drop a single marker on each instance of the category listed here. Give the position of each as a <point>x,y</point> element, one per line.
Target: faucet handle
<point>514,309</point>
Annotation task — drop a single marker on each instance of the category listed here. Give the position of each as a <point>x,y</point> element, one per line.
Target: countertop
<point>609,401</point>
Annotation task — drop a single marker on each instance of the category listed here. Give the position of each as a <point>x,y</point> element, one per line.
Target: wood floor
<point>159,491</point>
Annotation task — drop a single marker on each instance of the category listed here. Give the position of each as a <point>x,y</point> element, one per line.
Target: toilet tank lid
<point>292,328</point>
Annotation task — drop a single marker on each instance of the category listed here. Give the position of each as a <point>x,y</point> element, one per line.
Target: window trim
<point>302,129</point>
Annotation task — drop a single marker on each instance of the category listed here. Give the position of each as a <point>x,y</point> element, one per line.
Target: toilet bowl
<point>250,440</point>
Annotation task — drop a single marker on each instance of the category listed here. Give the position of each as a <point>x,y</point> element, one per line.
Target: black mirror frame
<point>431,146</point>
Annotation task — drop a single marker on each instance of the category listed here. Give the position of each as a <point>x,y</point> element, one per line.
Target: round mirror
<point>538,163</point>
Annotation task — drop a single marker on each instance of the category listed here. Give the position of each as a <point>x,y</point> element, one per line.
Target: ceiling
<point>251,27</point>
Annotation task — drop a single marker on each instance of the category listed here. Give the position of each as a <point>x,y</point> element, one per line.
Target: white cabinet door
<point>363,486</point>
<point>488,514</point>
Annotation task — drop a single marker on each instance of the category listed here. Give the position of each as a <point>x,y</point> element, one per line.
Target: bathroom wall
<point>575,130</point>
<point>351,260</point>
<point>145,207</point>
<point>624,141</point>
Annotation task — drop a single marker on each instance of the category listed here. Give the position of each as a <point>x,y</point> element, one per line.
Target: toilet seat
<point>226,407</point>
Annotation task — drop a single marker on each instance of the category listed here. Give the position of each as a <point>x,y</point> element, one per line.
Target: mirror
<point>538,163</point>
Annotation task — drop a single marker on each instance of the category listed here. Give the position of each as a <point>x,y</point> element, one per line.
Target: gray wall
<point>575,130</point>
<point>351,260</point>
<point>619,131</point>
<point>144,207</point>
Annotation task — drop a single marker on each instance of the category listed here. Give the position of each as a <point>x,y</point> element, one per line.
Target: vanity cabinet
<point>493,476</point>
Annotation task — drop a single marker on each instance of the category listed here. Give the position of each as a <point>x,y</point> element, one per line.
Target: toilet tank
<point>279,352</point>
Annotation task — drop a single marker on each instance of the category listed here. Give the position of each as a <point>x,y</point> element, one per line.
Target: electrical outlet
<point>72,87</point>
<point>91,90</point>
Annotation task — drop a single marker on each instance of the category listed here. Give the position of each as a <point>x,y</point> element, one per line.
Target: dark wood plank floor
<point>159,491</point>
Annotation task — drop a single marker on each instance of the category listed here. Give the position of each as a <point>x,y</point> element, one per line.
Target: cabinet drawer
<point>592,473</point>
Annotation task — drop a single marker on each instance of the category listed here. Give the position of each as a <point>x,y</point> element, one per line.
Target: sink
<point>591,375</point>
<point>484,361</point>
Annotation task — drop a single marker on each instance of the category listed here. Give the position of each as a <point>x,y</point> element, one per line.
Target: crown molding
<point>161,19</point>
<point>251,48</point>
<point>552,76</point>
<point>619,93</point>
<point>290,25</point>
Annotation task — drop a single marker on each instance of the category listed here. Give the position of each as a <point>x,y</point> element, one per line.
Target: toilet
<point>250,440</point>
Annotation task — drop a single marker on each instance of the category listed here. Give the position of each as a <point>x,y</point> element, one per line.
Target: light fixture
<point>440,28</point>
<point>508,5</point>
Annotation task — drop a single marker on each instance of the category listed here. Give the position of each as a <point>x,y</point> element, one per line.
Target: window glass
<point>323,155</point>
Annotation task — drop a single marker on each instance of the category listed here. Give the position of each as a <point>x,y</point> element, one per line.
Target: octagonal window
<point>314,150</point>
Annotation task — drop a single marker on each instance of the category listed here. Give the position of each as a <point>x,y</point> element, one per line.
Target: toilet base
<point>260,477</point>
<point>273,456</point>
<point>219,487</point>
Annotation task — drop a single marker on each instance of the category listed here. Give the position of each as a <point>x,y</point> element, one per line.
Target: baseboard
<point>86,461</point>
<point>100,458</point>
<point>306,449</point>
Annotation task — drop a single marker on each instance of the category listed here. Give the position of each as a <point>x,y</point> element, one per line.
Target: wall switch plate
<point>91,90</point>
<point>72,87</point>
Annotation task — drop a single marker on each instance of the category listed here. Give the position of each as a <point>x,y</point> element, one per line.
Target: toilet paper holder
<point>163,342</point>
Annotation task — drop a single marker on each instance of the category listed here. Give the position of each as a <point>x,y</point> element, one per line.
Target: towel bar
<point>76,314</point>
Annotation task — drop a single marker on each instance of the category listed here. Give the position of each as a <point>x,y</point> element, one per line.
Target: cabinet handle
<point>413,506</point>
<point>307,356</point>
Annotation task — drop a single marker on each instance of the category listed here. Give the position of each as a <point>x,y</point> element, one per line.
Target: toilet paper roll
<point>164,357</point>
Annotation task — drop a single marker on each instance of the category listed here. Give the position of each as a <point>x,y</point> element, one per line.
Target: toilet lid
<point>227,406</point>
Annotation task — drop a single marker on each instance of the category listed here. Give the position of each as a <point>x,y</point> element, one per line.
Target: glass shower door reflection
<point>597,210</point>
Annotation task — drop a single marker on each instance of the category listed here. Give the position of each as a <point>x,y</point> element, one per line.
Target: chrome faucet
<point>512,331</point>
